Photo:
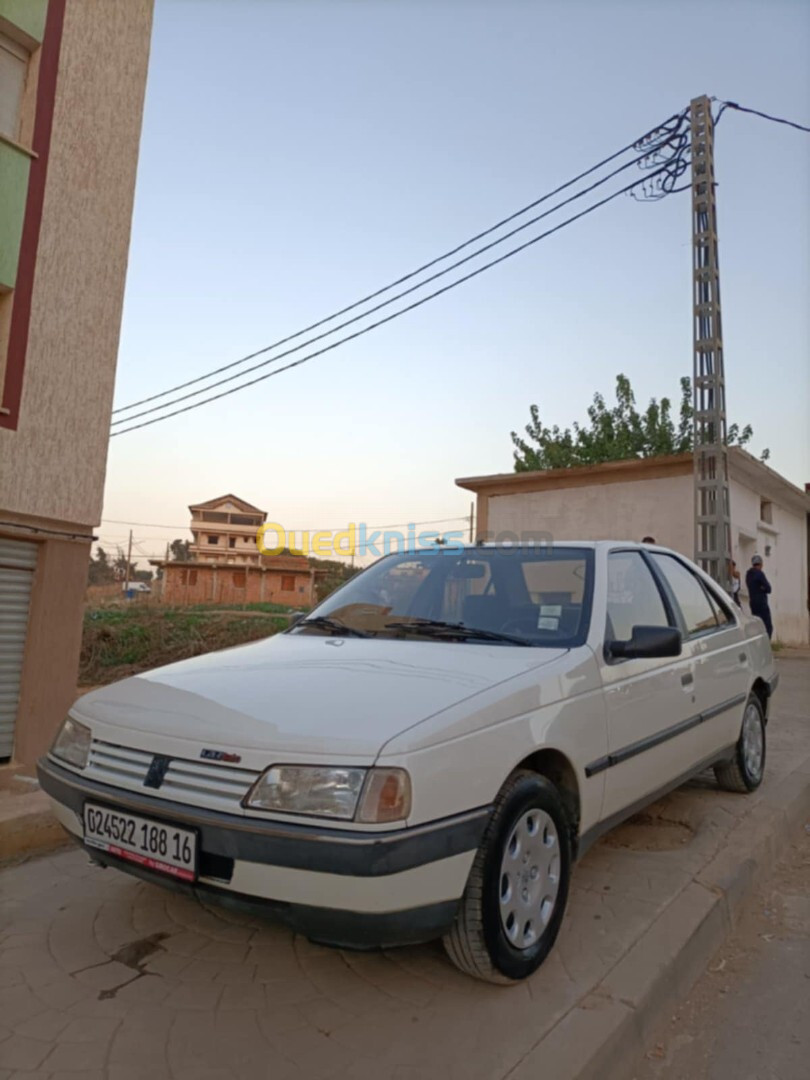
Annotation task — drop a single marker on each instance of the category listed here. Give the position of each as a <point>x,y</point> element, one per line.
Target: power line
<point>395,315</point>
<point>338,528</point>
<point>144,524</point>
<point>405,277</point>
<point>764,115</point>
<point>409,290</point>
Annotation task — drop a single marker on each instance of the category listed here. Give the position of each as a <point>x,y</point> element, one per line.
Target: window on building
<point>288,582</point>
<point>239,579</point>
<point>231,541</point>
<point>13,71</point>
<point>766,511</point>
<point>698,613</point>
<point>213,539</point>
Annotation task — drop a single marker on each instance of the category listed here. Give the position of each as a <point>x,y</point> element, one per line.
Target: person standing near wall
<point>736,583</point>
<point>759,589</point>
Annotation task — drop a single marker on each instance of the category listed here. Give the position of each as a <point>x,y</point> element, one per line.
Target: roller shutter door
<point>18,561</point>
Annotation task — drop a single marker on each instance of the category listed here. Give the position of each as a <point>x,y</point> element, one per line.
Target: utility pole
<point>472,521</point>
<point>166,572</point>
<point>129,557</point>
<point>712,517</point>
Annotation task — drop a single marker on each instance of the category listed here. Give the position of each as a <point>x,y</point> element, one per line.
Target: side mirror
<point>295,619</point>
<point>647,642</point>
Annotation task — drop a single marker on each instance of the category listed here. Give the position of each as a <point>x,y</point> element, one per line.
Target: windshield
<point>512,596</point>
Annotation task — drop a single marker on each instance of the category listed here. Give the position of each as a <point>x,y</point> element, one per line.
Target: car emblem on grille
<point>219,755</point>
<point>157,771</point>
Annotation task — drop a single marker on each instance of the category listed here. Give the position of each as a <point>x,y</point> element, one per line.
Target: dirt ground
<point>748,1016</point>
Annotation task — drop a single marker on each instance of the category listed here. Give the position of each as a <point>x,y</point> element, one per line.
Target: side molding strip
<point>627,752</point>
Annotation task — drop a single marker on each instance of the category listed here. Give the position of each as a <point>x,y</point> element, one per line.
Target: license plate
<point>154,845</point>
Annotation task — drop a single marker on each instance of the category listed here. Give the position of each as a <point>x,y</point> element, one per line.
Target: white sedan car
<point>428,752</point>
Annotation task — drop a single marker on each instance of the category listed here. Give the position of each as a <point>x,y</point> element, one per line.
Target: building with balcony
<point>72,80</point>
<point>224,531</point>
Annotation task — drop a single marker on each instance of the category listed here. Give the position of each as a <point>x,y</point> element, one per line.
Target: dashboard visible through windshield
<point>510,596</point>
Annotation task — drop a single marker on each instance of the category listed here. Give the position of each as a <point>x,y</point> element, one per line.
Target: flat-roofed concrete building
<point>628,500</point>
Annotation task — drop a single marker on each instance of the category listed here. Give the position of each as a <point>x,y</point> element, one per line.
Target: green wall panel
<point>28,15</point>
<point>14,166</point>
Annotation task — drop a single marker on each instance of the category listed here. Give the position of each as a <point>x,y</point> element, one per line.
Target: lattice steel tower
<point>712,521</point>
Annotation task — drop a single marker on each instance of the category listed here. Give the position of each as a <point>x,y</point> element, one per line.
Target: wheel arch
<point>558,768</point>
<point>762,691</point>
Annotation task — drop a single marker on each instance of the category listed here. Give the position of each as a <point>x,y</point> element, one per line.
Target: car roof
<point>593,544</point>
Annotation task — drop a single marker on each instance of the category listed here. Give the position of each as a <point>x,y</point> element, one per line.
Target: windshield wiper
<point>439,629</point>
<point>334,626</point>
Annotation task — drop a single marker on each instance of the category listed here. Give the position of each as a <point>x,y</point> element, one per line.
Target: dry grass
<point>121,642</point>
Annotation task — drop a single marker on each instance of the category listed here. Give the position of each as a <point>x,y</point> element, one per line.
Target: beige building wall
<point>53,466</point>
<point>621,511</point>
<point>53,463</point>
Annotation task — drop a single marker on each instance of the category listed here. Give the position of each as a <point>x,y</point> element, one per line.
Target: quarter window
<point>698,613</point>
<point>633,596</point>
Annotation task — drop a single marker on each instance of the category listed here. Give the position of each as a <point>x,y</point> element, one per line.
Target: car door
<point>650,702</point>
<point>722,671</point>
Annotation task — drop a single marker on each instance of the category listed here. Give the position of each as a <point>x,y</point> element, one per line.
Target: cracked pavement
<point>103,977</point>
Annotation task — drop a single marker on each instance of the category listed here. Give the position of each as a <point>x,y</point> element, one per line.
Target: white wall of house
<point>594,504</point>
<point>661,508</point>
<point>785,566</point>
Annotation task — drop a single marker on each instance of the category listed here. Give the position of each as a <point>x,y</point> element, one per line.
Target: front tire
<point>744,772</point>
<point>517,890</point>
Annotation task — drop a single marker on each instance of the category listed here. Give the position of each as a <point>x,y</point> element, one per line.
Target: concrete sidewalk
<point>102,976</point>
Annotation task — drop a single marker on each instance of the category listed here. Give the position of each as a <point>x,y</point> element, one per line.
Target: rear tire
<point>517,890</point>
<point>744,772</point>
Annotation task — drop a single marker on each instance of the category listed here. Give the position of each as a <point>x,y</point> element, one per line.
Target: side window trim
<point>671,602</point>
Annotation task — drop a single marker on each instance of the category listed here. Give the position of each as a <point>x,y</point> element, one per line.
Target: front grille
<point>200,783</point>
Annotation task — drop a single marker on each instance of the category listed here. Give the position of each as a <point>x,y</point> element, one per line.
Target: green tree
<point>100,571</point>
<point>614,433</point>
<point>180,550</point>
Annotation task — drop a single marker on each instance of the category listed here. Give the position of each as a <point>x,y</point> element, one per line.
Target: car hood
<point>306,693</point>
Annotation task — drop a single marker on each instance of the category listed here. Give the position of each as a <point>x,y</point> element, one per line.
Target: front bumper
<point>338,886</point>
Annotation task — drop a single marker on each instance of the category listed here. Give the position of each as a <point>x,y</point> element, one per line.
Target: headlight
<point>72,744</point>
<point>333,792</point>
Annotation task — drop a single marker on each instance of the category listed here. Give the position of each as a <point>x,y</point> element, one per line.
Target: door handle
<point>743,658</point>
<point>687,679</point>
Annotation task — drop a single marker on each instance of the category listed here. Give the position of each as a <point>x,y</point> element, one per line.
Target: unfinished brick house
<point>278,579</point>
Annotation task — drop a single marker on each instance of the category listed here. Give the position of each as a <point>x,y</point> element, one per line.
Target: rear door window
<point>699,615</point>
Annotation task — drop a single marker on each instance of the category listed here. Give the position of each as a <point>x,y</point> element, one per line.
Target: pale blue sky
<point>296,155</point>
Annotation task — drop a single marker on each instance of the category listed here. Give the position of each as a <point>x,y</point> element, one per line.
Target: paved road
<point>747,1018</point>
<point>103,977</point>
